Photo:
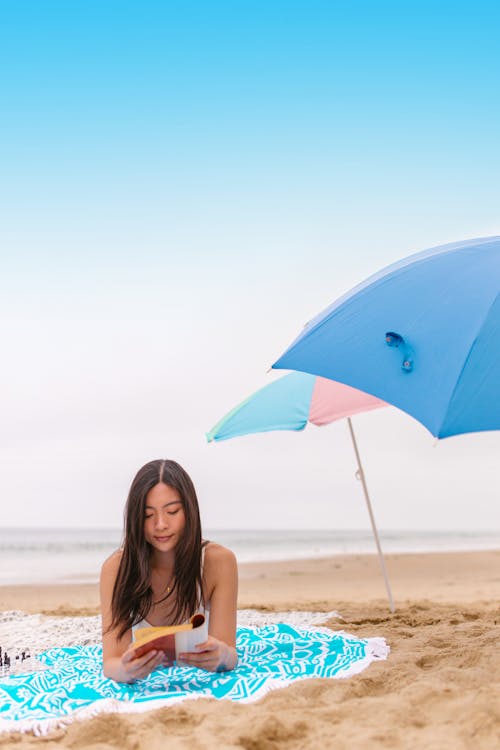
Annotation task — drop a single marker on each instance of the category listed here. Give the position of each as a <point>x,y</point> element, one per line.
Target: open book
<point>172,639</point>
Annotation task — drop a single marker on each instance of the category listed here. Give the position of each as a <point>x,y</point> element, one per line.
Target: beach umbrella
<point>422,334</point>
<point>292,401</point>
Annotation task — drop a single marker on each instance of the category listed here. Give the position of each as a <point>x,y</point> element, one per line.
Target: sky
<point>183,185</point>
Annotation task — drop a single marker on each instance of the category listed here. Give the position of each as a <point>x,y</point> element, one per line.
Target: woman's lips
<point>164,538</point>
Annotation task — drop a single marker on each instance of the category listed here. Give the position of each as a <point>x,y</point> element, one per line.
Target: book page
<point>187,640</point>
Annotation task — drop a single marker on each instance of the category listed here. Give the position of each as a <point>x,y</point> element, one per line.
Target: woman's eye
<point>173,512</point>
<point>150,516</point>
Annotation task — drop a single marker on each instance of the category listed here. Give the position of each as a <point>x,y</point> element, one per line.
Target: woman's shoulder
<point>217,556</point>
<point>220,571</point>
<point>111,564</point>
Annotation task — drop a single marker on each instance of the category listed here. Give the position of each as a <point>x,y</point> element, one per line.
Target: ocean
<point>76,555</point>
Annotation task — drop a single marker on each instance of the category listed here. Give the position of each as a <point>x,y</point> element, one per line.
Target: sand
<point>439,688</point>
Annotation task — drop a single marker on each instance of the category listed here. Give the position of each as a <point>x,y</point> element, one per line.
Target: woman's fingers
<point>195,658</point>
<point>145,659</point>
<point>210,648</point>
<point>146,670</point>
<point>142,665</point>
<point>207,660</point>
<point>128,656</point>
<point>207,655</point>
<point>211,644</point>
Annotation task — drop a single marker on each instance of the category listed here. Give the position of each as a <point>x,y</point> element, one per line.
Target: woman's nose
<point>161,521</point>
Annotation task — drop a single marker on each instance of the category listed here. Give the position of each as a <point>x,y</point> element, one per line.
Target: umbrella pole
<point>360,474</point>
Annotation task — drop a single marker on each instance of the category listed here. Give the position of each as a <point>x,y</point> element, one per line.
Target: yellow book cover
<point>171,639</point>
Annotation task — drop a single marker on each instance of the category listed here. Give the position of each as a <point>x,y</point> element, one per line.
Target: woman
<point>163,574</point>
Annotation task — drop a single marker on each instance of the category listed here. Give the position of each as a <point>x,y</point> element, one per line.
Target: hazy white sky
<point>101,374</point>
<point>165,235</point>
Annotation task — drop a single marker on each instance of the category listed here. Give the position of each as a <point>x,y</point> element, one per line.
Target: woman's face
<point>164,518</point>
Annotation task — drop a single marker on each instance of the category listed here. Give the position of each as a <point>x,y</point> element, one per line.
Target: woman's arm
<point>218,653</point>
<point>118,660</point>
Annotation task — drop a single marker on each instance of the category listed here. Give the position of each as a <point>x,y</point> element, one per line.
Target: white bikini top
<point>201,610</point>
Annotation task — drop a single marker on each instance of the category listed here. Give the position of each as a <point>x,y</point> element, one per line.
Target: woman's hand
<point>134,668</point>
<point>212,655</point>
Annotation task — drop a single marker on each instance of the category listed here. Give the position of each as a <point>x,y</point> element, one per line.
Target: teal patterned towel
<point>74,686</point>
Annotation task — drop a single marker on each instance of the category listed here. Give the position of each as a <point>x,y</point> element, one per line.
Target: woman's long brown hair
<point>132,593</point>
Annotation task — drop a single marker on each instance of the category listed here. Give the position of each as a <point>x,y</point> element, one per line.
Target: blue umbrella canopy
<point>423,334</point>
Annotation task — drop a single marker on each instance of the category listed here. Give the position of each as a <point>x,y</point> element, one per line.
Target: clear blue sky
<point>183,185</point>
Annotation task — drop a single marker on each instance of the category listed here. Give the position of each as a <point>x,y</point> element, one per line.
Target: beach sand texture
<point>439,688</point>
